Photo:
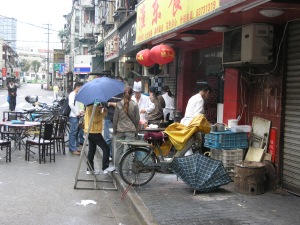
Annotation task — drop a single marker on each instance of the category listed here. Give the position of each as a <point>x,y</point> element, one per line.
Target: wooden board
<point>254,154</point>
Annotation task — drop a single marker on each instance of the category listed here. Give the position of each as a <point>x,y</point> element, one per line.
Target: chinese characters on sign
<point>157,17</point>
<point>111,48</point>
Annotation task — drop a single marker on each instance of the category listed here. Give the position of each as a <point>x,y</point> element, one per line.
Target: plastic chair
<point>59,133</point>
<point>7,145</point>
<point>44,142</point>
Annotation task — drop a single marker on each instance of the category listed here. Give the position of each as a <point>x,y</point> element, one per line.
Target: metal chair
<point>59,133</point>
<point>8,133</point>
<point>44,142</point>
<point>7,145</point>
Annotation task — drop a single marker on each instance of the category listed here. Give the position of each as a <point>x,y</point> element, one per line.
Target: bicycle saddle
<point>151,137</point>
<point>30,110</point>
<point>31,98</point>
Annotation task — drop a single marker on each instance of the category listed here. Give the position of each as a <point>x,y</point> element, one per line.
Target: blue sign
<point>80,70</point>
<point>59,67</point>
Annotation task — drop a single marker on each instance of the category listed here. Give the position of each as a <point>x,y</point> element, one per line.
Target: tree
<point>25,65</point>
<point>63,36</point>
<point>36,66</point>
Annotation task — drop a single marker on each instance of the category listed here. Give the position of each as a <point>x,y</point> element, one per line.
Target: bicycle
<point>144,158</point>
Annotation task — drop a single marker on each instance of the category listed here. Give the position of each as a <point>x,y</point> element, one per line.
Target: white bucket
<point>232,123</point>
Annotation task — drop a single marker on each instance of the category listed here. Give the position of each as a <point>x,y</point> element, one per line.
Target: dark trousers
<point>94,140</point>
<point>12,103</point>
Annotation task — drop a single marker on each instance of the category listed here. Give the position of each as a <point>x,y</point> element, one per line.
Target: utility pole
<point>48,58</point>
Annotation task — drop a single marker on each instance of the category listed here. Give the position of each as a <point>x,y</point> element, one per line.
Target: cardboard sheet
<point>254,154</point>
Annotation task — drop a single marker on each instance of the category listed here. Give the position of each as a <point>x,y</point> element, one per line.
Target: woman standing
<point>12,93</point>
<point>159,102</point>
<point>125,122</point>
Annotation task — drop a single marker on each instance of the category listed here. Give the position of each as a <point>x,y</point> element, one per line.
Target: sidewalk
<point>166,200</point>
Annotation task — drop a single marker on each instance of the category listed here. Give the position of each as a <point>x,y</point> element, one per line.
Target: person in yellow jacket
<point>95,138</point>
<point>55,91</point>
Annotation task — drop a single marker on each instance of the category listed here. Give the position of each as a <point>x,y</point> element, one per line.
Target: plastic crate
<point>229,158</point>
<point>241,128</point>
<point>226,140</point>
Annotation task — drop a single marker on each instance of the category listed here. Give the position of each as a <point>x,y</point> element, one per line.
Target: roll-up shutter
<point>291,147</point>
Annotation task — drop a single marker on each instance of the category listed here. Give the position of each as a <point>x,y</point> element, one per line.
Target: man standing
<point>74,117</point>
<point>144,102</point>
<point>12,93</point>
<point>195,105</point>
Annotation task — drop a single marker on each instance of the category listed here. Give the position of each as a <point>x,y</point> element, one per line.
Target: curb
<point>135,203</point>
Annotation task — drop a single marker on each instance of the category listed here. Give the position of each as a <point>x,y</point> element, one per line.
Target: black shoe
<point>81,143</point>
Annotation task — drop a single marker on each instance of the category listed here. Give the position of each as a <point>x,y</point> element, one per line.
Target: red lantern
<point>162,54</point>
<point>142,57</point>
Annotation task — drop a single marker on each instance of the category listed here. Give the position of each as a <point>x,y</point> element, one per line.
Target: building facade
<point>247,51</point>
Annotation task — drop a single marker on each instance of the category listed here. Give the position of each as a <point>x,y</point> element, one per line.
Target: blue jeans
<point>80,138</point>
<point>73,133</point>
<point>107,124</point>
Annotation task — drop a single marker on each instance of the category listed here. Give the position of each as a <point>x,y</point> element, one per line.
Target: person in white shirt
<point>195,105</point>
<point>169,105</point>
<point>74,119</point>
<point>144,102</point>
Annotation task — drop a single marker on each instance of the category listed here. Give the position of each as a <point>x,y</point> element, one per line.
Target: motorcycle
<point>41,111</point>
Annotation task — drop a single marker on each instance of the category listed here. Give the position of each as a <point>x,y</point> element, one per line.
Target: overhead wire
<point>38,26</point>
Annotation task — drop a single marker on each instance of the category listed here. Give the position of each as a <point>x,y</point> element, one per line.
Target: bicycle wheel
<point>132,169</point>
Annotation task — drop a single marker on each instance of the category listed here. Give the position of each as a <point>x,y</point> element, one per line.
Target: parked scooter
<point>40,110</point>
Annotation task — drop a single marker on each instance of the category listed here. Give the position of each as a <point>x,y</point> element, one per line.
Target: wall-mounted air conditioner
<point>252,43</point>
<point>109,19</point>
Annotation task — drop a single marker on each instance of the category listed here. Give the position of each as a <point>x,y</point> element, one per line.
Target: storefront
<point>291,131</point>
<point>254,78</point>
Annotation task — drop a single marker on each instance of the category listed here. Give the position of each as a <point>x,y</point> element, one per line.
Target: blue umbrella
<point>99,90</point>
<point>200,172</point>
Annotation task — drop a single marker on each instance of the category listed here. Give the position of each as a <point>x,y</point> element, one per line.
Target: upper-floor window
<point>85,50</point>
<point>89,16</point>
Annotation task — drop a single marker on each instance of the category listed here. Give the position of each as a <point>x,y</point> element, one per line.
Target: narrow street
<point>33,193</point>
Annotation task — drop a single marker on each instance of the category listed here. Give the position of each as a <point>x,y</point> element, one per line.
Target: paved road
<point>27,89</point>
<point>33,193</point>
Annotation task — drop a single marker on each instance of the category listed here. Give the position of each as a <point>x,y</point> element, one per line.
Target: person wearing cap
<point>159,102</point>
<point>144,102</point>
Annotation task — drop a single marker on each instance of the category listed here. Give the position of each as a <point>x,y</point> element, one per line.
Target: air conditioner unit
<point>109,19</point>
<point>252,43</point>
<point>120,5</point>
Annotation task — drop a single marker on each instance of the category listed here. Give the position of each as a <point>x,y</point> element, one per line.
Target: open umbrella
<point>200,172</point>
<point>99,90</point>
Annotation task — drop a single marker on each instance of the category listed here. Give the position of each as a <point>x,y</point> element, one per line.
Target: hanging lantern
<point>142,57</point>
<point>162,54</point>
